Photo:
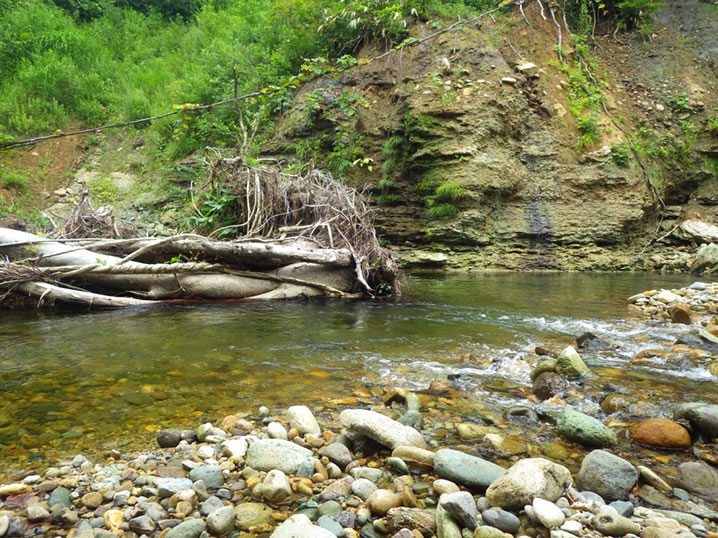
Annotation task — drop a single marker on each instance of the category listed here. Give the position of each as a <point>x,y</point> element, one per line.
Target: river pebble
<point>266,487</point>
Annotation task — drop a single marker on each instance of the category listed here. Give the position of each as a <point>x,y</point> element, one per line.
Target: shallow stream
<point>90,382</point>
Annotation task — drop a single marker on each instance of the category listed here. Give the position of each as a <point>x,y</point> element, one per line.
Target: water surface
<point>87,382</point>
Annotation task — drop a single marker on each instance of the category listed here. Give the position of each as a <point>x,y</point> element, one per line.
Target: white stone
<point>236,448</point>
<point>666,296</point>
<point>4,524</point>
<point>205,451</point>
<point>275,487</point>
<point>382,429</point>
<point>528,69</point>
<point>574,527</point>
<point>548,513</point>
<point>509,80</point>
<point>32,479</point>
<point>301,418</point>
<point>276,431</point>
<point>300,526</point>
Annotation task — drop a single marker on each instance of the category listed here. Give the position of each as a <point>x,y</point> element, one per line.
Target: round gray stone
<point>608,475</point>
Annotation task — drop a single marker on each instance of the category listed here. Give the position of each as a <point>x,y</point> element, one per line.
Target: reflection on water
<point>110,379</point>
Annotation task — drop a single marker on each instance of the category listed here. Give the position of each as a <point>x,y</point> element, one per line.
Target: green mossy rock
<point>583,429</point>
<point>548,365</point>
<point>570,364</point>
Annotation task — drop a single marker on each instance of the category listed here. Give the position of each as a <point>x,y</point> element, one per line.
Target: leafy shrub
<point>621,154</point>
<point>681,104</point>
<point>712,126</point>
<point>632,14</point>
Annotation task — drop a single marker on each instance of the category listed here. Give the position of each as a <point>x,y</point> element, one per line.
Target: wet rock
<point>502,446</point>
<point>547,365</point>
<point>609,523</point>
<point>698,477</point>
<point>608,475</point>
<point>502,520</point>
<point>570,364</point>
<point>411,518</point>
<point>547,385</point>
<point>702,416</point>
<point>168,438</point>
<point>590,342</point>
<point>221,521</point>
<point>381,500</point>
<point>301,418</point>
<point>584,429</point>
<point>471,432</point>
<point>380,428</point>
<point>248,515</point>
<point>300,526</point>
<point>662,433</point>
<point>269,454</point>
<point>190,528</point>
<point>466,469</point>
<point>112,519</point>
<point>526,480</point>
<point>681,313</point>
<point>461,506</point>
<point>521,413</point>
<point>613,403</point>
<point>548,513</point>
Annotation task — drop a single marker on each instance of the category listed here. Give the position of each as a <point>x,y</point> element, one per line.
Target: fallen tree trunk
<point>157,282</point>
<point>254,254</point>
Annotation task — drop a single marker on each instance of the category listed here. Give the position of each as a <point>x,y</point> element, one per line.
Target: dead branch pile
<point>86,221</point>
<point>312,206</point>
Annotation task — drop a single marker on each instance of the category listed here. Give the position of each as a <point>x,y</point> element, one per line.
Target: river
<point>91,382</point>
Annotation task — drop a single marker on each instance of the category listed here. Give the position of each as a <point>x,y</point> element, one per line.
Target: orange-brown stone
<point>661,433</point>
<point>681,313</point>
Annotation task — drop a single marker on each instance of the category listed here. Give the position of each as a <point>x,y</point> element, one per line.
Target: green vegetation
<point>13,180</point>
<point>441,204</point>
<point>583,95</point>
<point>621,154</point>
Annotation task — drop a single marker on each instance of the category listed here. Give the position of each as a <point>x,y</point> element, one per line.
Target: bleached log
<point>48,293</point>
<point>257,254</point>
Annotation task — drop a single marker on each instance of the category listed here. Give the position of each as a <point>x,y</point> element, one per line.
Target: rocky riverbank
<point>364,475</point>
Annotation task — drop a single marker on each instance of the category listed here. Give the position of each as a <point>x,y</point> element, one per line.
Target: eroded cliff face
<point>464,109</point>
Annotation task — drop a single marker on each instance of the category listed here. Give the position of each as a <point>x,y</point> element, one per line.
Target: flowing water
<point>90,382</point>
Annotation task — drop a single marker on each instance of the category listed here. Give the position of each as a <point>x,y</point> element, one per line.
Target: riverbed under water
<point>90,382</point>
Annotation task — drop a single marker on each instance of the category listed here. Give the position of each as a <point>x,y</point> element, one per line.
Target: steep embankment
<point>483,147</point>
<point>466,126</point>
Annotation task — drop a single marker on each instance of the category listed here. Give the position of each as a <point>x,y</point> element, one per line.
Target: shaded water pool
<point>90,382</point>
